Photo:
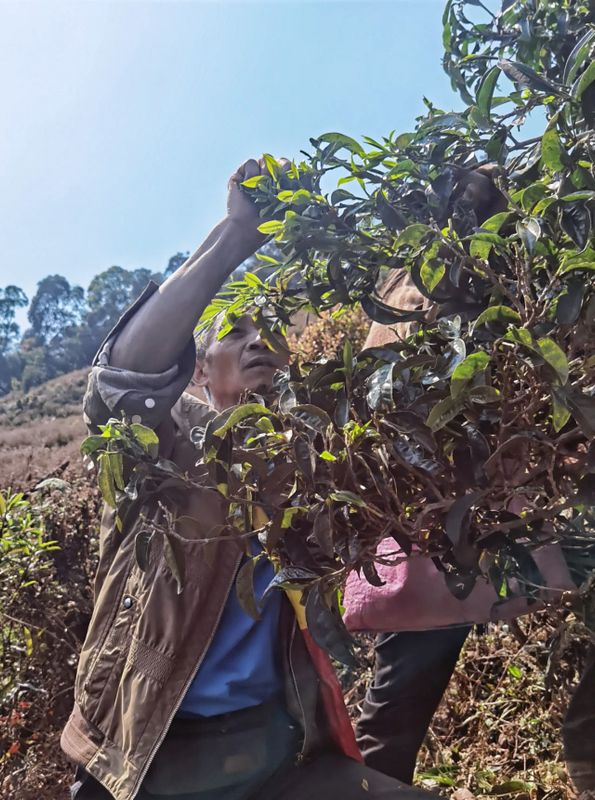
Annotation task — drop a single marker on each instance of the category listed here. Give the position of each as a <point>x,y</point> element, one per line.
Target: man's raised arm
<point>153,339</point>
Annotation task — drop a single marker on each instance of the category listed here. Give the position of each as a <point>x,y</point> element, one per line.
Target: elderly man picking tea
<point>182,695</point>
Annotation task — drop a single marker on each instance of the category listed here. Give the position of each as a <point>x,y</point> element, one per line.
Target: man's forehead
<point>220,326</point>
<point>246,320</point>
<point>220,323</point>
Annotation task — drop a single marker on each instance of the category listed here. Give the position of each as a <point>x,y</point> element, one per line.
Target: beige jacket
<point>145,641</point>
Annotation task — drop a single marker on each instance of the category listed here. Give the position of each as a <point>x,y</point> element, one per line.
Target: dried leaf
<point>322,530</point>
<point>172,562</point>
<point>457,514</point>
<point>328,630</point>
<point>245,587</point>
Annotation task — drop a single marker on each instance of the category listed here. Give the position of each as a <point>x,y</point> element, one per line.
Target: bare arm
<point>156,335</point>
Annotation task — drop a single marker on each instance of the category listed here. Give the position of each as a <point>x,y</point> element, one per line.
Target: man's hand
<point>239,206</point>
<point>241,211</point>
<point>476,188</point>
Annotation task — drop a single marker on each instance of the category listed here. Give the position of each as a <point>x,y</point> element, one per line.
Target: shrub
<point>48,555</point>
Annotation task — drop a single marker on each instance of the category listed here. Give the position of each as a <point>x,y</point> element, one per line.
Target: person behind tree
<point>414,662</point>
<point>414,665</point>
<point>181,695</point>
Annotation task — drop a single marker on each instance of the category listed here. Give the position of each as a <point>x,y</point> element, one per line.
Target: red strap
<point>332,698</point>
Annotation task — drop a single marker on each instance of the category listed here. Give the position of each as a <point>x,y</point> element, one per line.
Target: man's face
<point>239,361</point>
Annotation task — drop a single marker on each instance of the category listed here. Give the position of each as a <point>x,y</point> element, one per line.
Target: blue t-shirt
<point>241,667</point>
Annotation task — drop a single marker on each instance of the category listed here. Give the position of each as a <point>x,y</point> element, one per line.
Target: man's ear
<point>199,376</point>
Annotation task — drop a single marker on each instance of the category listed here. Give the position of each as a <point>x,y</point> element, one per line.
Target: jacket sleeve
<point>145,397</point>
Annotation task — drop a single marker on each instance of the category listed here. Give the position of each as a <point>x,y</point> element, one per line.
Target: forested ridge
<point>65,322</point>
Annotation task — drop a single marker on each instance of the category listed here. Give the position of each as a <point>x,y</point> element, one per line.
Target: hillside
<point>41,430</point>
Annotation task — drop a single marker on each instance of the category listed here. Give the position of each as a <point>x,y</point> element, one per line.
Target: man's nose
<point>256,342</point>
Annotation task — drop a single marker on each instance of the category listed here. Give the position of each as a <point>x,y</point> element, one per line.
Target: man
<point>180,695</point>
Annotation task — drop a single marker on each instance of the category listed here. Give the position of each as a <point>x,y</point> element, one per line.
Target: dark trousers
<point>578,730</point>
<point>211,756</point>
<point>411,674</point>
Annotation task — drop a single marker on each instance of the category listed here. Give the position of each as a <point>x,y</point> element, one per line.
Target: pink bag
<point>415,596</point>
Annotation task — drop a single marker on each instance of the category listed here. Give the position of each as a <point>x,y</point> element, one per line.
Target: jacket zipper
<point>302,754</point>
<point>178,703</point>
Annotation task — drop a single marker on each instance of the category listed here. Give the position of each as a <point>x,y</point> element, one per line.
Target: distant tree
<point>36,363</point>
<point>11,366</point>
<point>109,294</point>
<point>11,298</point>
<point>50,345</point>
<point>55,309</point>
<point>66,326</point>
<point>175,262</point>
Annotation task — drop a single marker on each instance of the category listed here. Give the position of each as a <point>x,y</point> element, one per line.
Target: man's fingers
<point>474,189</point>
<point>246,170</point>
<point>253,167</point>
<point>284,162</point>
<point>490,170</point>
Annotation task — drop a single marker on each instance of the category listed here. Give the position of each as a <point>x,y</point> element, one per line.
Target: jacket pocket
<point>107,644</point>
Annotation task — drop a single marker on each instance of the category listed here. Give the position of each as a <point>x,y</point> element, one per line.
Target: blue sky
<point>123,121</point>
